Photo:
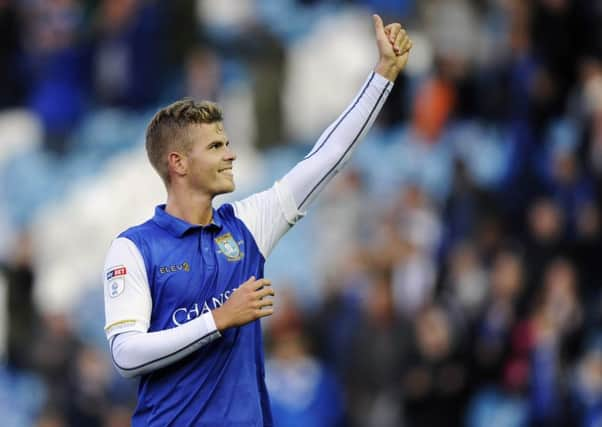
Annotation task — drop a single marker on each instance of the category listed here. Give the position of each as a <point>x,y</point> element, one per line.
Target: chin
<point>226,189</point>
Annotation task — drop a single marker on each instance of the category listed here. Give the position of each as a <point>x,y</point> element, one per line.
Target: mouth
<point>227,171</point>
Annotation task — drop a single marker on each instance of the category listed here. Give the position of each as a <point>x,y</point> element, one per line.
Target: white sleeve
<point>127,295</point>
<point>270,214</point>
<point>336,144</point>
<point>128,305</point>
<point>136,353</point>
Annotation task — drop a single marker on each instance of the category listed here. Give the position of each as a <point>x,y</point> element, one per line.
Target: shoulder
<point>226,211</point>
<point>230,215</point>
<point>142,232</point>
<point>147,238</point>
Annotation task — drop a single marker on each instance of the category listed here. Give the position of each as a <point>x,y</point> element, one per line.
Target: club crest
<point>229,247</point>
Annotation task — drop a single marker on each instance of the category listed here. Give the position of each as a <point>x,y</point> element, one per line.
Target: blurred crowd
<point>462,300</point>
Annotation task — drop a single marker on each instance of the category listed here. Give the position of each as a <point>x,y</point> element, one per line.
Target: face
<point>208,164</point>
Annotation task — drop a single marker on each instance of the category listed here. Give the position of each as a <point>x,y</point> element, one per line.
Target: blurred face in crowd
<point>555,5</point>
<point>380,305</point>
<point>207,164</point>
<point>565,168</point>
<point>559,312</point>
<point>433,333</point>
<point>588,221</point>
<point>116,13</point>
<point>468,280</point>
<point>560,280</point>
<point>545,220</point>
<point>506,276</point>
<point>590,372</point>
<point>202,74</point>
<point>560,292</point>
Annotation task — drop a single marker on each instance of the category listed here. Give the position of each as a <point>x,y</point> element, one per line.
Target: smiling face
<point>207,164</point>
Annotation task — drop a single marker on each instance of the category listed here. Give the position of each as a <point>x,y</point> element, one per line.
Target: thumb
<point>378,26</point>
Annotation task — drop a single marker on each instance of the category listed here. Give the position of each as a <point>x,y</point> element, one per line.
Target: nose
<point>230,154</point>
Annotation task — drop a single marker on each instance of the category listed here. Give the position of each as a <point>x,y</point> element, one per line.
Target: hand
<point>394,46</point>
<point>246,304</point>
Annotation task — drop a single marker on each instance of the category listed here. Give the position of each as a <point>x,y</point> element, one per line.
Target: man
<point>184,291</point>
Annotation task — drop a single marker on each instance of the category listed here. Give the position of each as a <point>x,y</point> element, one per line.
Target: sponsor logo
<point>174,268</point>
<point>117,271</point>
<point>186,314</point>
<point>229,247</point>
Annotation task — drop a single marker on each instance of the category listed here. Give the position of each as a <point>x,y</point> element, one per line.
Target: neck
<point>190,206</point>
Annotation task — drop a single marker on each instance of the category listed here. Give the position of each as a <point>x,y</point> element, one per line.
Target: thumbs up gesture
<point>394,46</point>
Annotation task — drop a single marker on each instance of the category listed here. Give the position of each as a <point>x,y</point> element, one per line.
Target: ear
<point>177,164</point>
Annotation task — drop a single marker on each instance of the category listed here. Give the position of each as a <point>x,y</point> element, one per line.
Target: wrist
<point>220,318</point>
<point>388,70</point>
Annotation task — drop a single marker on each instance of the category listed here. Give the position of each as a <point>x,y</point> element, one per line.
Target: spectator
<point>304,391</point>
<point>545,239</point>
<point>56,67</point>
<point>493,329</point>
<point>127,53</point>
<point>55,350</point>
<point>466,287</point>
<point>434,373</point>
<point>378,348</point>
<point>22,315</point>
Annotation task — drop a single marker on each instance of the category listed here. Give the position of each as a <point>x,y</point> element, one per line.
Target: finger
<point>248,283</point>
<point>395,30</point>
<point>264,312</point>
<point>265,282</point>
<point>260,283</point>
<point>265,291</point>
<point>399,40</point>
<point>266,302</point>
<point>406,45</point>
<point>397,44</point>
<point>378,26</point>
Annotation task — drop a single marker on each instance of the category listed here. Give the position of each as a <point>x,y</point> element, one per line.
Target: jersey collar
<point>178,227</point>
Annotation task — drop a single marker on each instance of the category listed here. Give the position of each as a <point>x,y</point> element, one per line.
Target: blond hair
<point>167,130</point>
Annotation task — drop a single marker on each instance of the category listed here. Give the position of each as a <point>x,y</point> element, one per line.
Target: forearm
<point>337,143</point>
<point>136,353</point>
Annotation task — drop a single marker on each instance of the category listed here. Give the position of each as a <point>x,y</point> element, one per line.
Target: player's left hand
<point>394,46</point>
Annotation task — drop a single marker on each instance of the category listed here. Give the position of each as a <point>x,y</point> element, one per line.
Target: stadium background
<point>450,276</point>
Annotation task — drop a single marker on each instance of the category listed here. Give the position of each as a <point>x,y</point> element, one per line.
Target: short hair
<point>168,128</point>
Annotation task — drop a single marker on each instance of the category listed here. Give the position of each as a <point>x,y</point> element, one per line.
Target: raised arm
<point>337,142</point>
<point>271,213</point>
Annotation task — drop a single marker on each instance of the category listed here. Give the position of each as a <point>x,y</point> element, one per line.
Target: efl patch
<point>116,280</point>
<point>116,272</point>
